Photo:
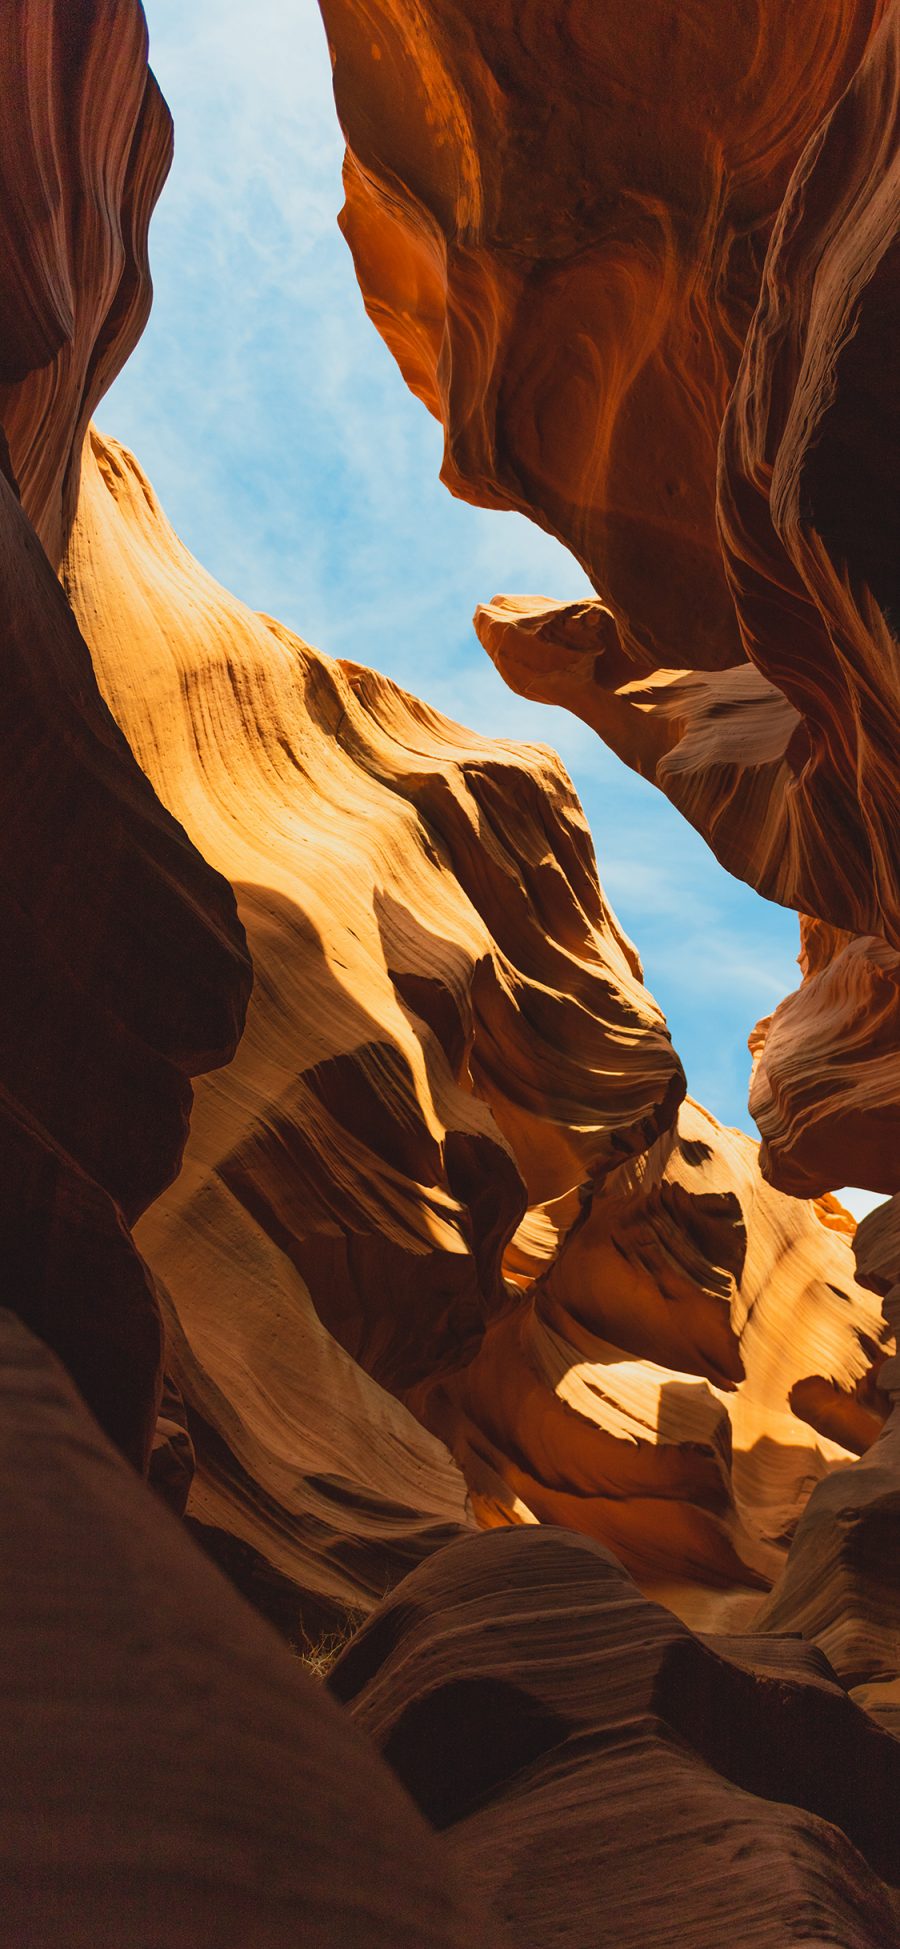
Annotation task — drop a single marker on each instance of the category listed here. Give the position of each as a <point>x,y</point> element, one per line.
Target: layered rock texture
<point>447,1248</point>
<point>826,1089</point>
<point>664,325</point>
<point>85,147</point>
<point>648,282</point>
<point>651,1786</point>
<point>446,1021</point>
<point>443,1173</point>
<point>124,965</point>
<point>840,1585</point>
<point>559,222</point>
<point>172,1775</point>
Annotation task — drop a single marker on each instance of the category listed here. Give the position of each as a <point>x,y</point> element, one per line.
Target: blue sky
<point>296,465</point>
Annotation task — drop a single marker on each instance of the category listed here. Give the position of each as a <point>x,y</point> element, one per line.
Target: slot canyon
<point>450,1476</point>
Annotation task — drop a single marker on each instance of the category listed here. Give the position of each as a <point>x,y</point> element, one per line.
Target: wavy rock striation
<point>558,222</point>
<point>452,1084</point>
<point>840,1587</point>
<point>448,1245</point>
<point>586,1756</point>
<point>170,1773</point>
<point>786,763</point>
<point>85,147</point>
<point>447,1025</point>
<point>692,1356</point>
<point>807,480</point>
<point>826,1081</point>
<point>667,336</point>
<point>124,966</point>
<point>661,319</point>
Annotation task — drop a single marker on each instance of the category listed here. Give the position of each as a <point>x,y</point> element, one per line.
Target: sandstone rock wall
<point>651,1785</point>
<point>85,147</point>
<point>449,1246</point>
<point>452,1085</point>
<point>124,965</point>
<point>664,326</point>
<point>171,1774</point>
<point>648,282</point>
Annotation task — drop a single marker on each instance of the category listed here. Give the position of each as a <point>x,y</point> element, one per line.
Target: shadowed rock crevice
<point>455,1747</point>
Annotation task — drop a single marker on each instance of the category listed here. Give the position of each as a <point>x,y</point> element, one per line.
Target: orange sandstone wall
<point>443,1172</point>
<point>660,318</point>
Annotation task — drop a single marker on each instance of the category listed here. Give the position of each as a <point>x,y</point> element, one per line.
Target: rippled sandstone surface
<point>124,965</point>
<point>452,1085</point>
<point>447,1248</point>
<point>661,319</point>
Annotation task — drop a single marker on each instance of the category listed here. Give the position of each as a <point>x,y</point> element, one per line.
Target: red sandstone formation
<point>573,295</point>
<point>876,1248</point>
<point>407,1091</point>
<point>124,965</point>
<point>787,764</point>
<point>447,1024</point>
<point>170,1774</point>
<point>651,1388</point>
<point>558,220</point>
<point>85,145</point>
<point>807,497</point>
<point>448,1246</point>
<point>840,1585</point>
<point>582,320</point>
<point>826,1085</point>
<point>647,1785</point>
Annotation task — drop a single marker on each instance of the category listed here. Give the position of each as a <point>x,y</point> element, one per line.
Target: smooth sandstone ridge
<point>408,1077</point>
<point>441,1182</point>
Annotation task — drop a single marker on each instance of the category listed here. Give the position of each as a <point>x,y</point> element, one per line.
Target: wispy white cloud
<point>296,465</point>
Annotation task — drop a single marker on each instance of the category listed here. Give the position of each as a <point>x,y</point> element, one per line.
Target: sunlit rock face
<point>660,317</point>
<point>439,1201</point>
<point>826,1082</point>
<point>438,1254</point>
<point>840,1587</point>
<point>447,1026</point>
<point>694,1353</point>
<point>124,966</point>
<point>648,282</point>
